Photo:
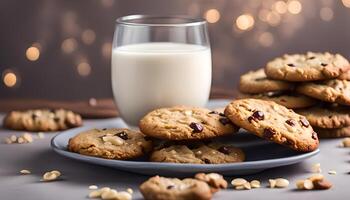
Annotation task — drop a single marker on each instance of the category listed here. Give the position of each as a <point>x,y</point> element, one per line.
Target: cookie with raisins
<point>273,122</point>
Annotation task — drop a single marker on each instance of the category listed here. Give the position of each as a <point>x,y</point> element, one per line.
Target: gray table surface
<point>77,176</point>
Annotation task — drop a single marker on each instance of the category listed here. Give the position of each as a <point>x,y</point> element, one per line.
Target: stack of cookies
<point>316,85</point>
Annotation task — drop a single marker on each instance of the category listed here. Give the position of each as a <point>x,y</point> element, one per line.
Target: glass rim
<point>188,21</point>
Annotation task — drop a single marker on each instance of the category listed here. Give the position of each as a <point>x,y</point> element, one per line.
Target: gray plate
<point>260,154</point>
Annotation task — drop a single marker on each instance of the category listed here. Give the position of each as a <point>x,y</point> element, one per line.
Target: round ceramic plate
<point>260,154</point>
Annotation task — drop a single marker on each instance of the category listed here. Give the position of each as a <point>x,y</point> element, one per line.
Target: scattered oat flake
<point>316,168</point>
<point>346,142</point>
<point>41,135</point>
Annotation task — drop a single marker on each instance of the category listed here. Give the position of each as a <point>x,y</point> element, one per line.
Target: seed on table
<point>247,186</point>
<point>20,140</point>
<point>13,138</point>
<point>124,196</point>
<point>8,141</point>
<point>300,184</point>
<point>316,168</point>
<point>322,184</point>
<point>93,187</point>
<point>51,176</point>
<point>281,183</point>
<point>25,171</point>
<point>27,137</point>
<point>97,193</point>
<point>332,172</point>
<point>346,142</point>
<point>41,135</point>
<point>255,184</point>
<point>272,183</point>
<point>129,190</point>
<point>110,194</point>
<point>238,181</point>
<point>308,185</point>
<point>239,187</point>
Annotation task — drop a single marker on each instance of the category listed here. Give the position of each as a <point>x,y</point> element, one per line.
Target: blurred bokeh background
<point>60,49</point>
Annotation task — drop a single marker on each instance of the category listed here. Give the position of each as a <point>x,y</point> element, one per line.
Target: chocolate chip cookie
<point>307,67</point>
<point>333,133</point>
<point>115,143</point>
<point>288,99</point>
<point>185,123</point>
<point>161,188</point>
<point>274,122</point>
<point>334,91</point>
<point>199,153</point>
<point>214,180</point>
<point>255,82</point>
<point>327,116</point>
<point>42,120</point>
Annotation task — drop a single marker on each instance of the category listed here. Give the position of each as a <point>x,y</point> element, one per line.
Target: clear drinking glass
<point>159,61</point>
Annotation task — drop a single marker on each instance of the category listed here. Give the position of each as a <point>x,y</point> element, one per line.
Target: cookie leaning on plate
<point>307,67</point>
<point>334,91</point>
<point>274,122</point>
<point>185,123</point>
<point>119,144</point>
<point>327,116</point>
<point>200,153</point>
<point>255,82</point>
<point>42,120</point>
<point>161,188</point>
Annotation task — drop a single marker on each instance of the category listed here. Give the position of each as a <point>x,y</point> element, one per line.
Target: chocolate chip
<point>314,135</point>
<point>147,138</point>
<point>123,135</point>
<point>34,116</point>
<point>305,123</point>
<point>291,122</point>
<point>312,57</point>
<point>197,128</point>
<point>225,149</point>
<point>207,161</point>
<point>56,119</point>
<point>104,129</point>
<point>170,187</point>
<point>291,65</point>
<point>214,112</point>
<point>256,115</point>
<point>269,133</point>
<point>324,64</point>
<point>224,121</point>
<point>222,114</point>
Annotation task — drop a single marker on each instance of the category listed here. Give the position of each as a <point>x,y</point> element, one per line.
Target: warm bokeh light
<point>326,14</point>
<point>346,3</point>
<point>245,22</point>
<point>9,79</point>
<point>84,69</point>
<point>263,14</point>
<point>88,36</point>
<point>106,49</point>
<point>266,39</point>
<point>69,45</point>
<point>212,15</point>
<point>294,7</point>
<point>280,7</point>
<point>32,53</point>
<point>273,18</point>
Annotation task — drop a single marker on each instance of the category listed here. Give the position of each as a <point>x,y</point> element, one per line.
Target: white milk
<point>153,75</point>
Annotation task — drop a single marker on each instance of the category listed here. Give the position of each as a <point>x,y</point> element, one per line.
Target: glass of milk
<point>159,61</point>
